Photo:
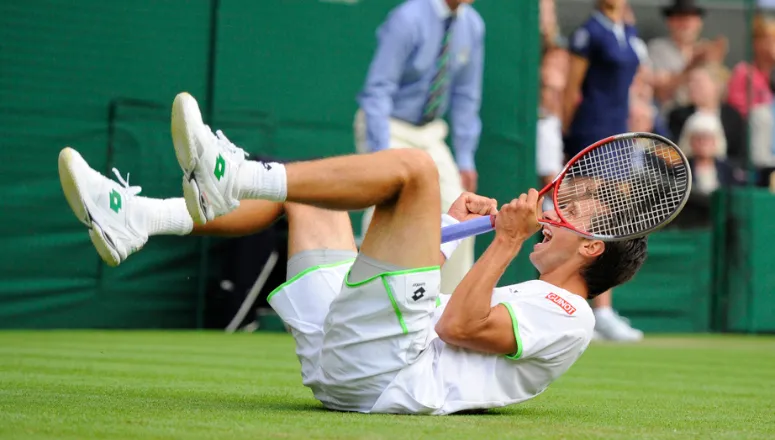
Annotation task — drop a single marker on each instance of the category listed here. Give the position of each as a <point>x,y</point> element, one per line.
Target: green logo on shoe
<point>115,201</point>
<point>220,167</point>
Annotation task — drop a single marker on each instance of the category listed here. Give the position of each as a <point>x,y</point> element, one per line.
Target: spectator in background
<point>673,57</point>
<point>642,91</point>
<point>549,152</point>
<point>641,116</point>
<point>705,96</point>
<point>642,85</point>
<point>602,67</point>
<point>604,60</point>
<point>762,128</point>
<point>429,60</point>
<point>761,105</point>
<point>703,140</point>
<point>760,71</point>
<point>549,28</point>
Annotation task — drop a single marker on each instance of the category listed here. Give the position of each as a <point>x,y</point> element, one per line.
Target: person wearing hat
<point>674,56</point>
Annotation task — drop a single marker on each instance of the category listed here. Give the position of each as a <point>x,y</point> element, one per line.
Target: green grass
<point>195,385</point>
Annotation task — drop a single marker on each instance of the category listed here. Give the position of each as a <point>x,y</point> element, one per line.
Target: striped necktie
<point>440,80</point>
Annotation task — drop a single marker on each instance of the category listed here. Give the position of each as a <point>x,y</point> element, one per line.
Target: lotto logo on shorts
<point>565,305</point>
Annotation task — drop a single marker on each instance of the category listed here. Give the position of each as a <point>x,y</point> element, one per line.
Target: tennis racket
<point>621,187</point>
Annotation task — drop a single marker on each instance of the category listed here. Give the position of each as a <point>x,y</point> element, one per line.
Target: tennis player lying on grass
<point>373,333</point>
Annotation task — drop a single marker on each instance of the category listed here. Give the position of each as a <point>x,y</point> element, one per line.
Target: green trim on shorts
<point>304,272</point>
<point>389,291</point>
<point>389,274</point>
<point>392,297</point>
<point>518,354</point>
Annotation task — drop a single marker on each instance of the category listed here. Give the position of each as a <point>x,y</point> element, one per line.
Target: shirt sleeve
<point>465,104</point>
<point>394,45</point>
<point>640,48</point>
<point>548,326</point>
<point>580,42</point>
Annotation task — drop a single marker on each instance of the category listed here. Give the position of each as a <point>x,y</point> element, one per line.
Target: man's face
<point>558,247</point>
<point>702,89</point>
<point>685,28</point>
<point>583,209</point>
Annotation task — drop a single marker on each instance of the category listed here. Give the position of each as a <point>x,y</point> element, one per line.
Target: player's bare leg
<point>250,217</point>
<point>311,228</point>
<point>356,324</point>
<point>321,249</point>
<point>403,184</point>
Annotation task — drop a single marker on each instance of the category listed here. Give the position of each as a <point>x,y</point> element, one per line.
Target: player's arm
<point>394,45</point>
<point>468,320</point>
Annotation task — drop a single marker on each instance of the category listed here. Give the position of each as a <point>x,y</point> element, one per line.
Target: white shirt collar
<point>605,21</point>
<point>442,9</point>
<point>616,28</point>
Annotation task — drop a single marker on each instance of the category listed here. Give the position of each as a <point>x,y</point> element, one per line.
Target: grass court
<point>208,385</point>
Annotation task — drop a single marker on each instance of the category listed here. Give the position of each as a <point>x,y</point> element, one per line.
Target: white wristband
<point>448,248</point>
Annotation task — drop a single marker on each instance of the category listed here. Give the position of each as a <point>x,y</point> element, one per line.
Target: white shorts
<point>353,339</point>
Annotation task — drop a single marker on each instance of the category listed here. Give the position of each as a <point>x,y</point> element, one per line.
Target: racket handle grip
<point>467,229</point>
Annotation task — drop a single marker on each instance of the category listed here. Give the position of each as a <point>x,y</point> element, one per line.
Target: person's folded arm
<point>466,99</point>
<point>395,41</point>
<point>468,320</point>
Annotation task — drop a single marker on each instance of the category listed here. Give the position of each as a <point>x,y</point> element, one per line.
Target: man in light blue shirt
<point>428,63</point>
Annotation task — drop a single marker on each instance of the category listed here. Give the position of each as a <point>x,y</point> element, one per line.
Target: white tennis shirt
<point>552,326</point>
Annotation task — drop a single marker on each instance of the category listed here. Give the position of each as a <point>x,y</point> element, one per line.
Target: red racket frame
<point>564,223</point>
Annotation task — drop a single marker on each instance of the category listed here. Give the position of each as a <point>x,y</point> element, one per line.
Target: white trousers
<point>430,138</point>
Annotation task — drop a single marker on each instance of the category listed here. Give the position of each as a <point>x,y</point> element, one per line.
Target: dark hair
<point>618,263</point>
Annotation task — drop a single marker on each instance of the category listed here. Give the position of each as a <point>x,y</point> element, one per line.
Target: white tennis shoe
<point>104,206</point>
<point>209,162</point>
<point>612,327</point>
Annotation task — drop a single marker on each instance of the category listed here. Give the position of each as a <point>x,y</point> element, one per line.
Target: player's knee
<point>417,167</point>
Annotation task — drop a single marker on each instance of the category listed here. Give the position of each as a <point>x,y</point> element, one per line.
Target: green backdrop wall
<point>283,81</point>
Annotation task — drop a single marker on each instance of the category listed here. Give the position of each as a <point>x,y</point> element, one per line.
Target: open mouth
<point>547,238</point>
<point>547,235</point>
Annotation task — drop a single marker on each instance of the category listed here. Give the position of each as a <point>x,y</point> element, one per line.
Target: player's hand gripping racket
<point>619,188</point>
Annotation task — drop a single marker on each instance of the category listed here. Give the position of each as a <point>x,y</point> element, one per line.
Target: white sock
<point>603,312</point>
<point>261,180</point>
<point>166,216</point>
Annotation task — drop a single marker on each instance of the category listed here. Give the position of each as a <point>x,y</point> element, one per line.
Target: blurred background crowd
<point>682,89</point>
<point>500,94</point>
<point>677,84</point>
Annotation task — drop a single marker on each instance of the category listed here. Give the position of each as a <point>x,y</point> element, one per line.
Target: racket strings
<point>623,188</point>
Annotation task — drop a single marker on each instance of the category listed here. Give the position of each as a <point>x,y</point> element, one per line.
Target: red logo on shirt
<point>565,305</point>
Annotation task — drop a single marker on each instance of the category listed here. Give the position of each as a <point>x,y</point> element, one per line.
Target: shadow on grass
<point>288,404</point>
